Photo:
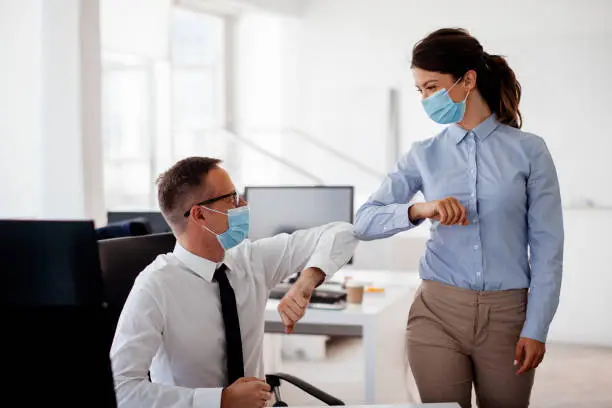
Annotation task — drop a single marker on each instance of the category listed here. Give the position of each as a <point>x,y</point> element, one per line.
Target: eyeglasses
<point>234,195</point>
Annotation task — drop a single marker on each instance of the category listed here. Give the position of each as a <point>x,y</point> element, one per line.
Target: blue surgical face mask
<point>239,221</point>
<point>442,109</point>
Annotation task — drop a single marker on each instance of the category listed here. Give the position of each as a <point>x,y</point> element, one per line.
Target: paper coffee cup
<point>354,291</point>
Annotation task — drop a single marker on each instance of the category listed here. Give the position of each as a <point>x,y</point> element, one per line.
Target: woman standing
<point>492,268</point>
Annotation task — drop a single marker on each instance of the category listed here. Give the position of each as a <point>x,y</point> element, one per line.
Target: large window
<point>155,112</point>
<point>197,64</point>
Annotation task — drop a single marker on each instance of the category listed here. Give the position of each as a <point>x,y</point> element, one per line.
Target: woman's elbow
<point>362,232</point>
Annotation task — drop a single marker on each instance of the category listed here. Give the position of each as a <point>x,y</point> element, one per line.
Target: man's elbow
<point>126,382</point>
<point>362,234</point>
<point>128,389</point>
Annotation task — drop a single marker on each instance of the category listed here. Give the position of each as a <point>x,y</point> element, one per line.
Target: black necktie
<point>233,342</point>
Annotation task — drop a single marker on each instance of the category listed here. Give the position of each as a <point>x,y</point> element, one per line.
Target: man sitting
<point>194,318</point>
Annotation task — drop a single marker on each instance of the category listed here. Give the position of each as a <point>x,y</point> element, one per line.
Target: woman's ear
<point>469,80</point>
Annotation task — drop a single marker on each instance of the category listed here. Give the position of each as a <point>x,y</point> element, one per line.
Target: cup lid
<point>354,283</point>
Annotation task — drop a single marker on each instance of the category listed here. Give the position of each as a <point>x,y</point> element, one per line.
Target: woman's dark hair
<point>454,51</point>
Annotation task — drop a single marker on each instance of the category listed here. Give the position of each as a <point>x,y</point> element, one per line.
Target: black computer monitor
<point>155,219</point>
<point>281,209</point>
<point>56,334</point>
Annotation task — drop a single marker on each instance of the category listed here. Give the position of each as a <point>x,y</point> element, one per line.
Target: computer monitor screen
<point>276,210</point>
<point>155,218</point>
<point>56,332</point>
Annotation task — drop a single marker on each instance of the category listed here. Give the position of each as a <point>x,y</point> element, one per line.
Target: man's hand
<point>293,305</point>
<point>449,211</point>
<point>246,392</point>
<point>529,354</point>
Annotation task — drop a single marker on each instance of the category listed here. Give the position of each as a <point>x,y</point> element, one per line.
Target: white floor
<point>571,376</point>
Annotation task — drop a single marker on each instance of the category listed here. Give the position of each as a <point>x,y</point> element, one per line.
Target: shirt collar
<point>202,267</point>
<point>482,131</point>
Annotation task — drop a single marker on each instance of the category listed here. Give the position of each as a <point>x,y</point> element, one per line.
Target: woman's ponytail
<point>501,90</point>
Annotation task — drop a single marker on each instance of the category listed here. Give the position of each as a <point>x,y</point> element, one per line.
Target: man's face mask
<point>239,221</point>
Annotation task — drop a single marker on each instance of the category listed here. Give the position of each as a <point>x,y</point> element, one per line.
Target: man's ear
<point>198,214</point>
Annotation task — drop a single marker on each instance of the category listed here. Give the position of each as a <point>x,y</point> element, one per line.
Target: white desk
<point>380,320</point>
<point>445,405</point>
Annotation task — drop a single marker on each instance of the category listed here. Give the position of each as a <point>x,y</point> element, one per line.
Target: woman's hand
<point>449,211</point>
<point>529,354</point>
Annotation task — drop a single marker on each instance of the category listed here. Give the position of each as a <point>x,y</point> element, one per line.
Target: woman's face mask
<point>442,109</point>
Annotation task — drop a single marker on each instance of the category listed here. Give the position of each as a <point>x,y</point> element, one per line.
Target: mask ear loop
<point>209,230</point>
<point>469,90</point>
<point>218,212</point>
<point>455,84</point>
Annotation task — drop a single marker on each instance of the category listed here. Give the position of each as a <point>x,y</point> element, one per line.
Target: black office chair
<point>127,228</point>
<point>122,259</point>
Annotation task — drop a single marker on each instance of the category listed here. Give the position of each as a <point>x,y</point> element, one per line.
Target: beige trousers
<point>459,337</point>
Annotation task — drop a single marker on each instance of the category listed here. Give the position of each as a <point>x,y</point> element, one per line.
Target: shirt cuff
<point>531,331</point>
<point>398,220</point>
<point>340,252</point>
<point>328,267</point>
<point>207,398</point>
<point>402,214</point>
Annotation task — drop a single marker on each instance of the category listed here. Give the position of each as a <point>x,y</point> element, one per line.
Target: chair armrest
<point>274,381</point>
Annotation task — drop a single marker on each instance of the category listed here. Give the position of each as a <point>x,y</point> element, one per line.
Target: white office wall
<point>258,56</point>
<point>227,7</point>
<point>559,49</point>
<point>290,7</point>
<point>61,110</point>
<point>91,112</point>
<point>351,52</point>
<point>264,61</point>
<point>20,110</point>
<point>136,27</point>
<point>50,149</point>
<point>584,311</point>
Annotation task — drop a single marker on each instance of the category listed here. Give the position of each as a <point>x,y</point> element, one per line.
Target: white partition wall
<point>50,130</point>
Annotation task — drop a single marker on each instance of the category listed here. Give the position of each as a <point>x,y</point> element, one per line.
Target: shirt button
<point>473,194</point>
<point>478,273</point>
<point>475,220</point>
<point>476,246</point>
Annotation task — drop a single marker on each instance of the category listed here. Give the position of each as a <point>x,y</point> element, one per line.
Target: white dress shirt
<point>172,324</point>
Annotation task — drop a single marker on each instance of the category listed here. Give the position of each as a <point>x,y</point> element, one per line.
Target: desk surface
<point>395,283</point>
<point>381,277</point>
<point>444,405</point>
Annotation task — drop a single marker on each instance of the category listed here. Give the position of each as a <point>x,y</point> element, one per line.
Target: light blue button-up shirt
<point>507,181</point>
